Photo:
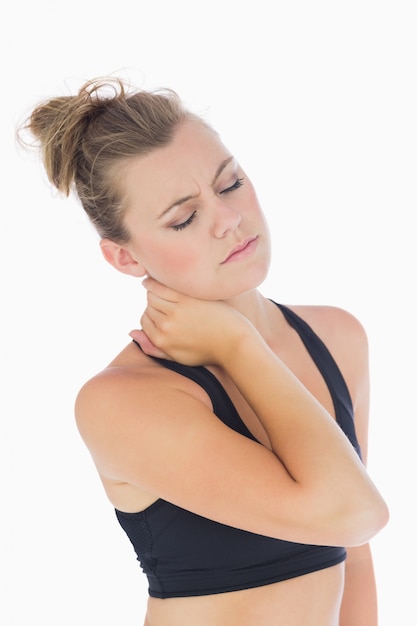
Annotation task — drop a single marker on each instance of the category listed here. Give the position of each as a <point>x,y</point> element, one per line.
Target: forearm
<point>329,496</point>
<point>333,484</point>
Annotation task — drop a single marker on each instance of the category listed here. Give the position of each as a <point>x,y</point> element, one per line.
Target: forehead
<point>193,145</point>
<point>191,158</point>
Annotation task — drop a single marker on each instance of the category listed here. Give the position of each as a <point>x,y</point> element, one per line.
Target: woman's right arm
<point>310,488</point>
<point>328,479</point>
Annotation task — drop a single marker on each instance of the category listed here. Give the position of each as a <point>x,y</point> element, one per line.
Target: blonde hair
<point>85,140</point>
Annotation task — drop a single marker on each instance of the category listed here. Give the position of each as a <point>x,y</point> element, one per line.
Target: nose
<point>226,218</point>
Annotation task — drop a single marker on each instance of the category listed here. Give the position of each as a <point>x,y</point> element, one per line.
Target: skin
<point>182,235</point>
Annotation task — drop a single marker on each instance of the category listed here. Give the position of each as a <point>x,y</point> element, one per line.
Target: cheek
<point>180,258</point>
<point>165,262</point>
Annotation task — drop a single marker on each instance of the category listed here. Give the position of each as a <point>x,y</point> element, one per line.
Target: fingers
<point>156,325</point>
<point>161,300</point>
<point>155,321</point>
<point>171,322</point>
<point>146,344</point>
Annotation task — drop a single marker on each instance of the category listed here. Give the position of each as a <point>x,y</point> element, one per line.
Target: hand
<point>185,329</point>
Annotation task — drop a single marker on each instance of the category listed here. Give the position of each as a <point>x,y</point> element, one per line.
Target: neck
<point>260,311</point>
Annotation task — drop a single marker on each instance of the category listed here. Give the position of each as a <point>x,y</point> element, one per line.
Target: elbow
<point>367,522</point>
<point>341,520</point>
<point>350,520</point>
<point>361,521</point>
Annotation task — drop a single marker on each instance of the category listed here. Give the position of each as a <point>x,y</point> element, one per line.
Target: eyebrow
<point>180,201</point>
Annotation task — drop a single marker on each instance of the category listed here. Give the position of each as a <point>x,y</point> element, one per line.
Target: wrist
<point>243,341</point>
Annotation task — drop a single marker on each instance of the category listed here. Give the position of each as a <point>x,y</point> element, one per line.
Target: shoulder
<point>132,394</point>
<point>128,368</point>
<point>333,324</point>
<point>131,376</point>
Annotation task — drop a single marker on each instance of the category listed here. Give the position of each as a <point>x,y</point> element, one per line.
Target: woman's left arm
<point>359,605</point>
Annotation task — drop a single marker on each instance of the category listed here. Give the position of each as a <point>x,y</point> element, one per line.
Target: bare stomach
<point>310,600</point>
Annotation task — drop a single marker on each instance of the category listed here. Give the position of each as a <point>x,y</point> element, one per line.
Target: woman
<point>229,433</point>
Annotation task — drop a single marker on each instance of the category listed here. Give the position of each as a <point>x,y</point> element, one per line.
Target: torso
<point>275,604</point>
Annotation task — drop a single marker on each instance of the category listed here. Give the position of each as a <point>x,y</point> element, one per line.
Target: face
<point>194,218</point>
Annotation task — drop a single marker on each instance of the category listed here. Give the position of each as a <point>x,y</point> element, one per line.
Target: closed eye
<point>184,224</point>
<point>236,185</point>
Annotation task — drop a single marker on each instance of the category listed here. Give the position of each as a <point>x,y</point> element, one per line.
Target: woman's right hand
<point>188,330</point>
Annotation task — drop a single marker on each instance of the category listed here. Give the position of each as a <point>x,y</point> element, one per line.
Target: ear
<point>121,259</point>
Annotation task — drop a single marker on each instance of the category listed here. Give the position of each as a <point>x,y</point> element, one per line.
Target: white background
<point>318,102</point>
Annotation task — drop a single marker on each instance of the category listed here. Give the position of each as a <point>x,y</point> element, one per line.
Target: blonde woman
<point>231,433</point>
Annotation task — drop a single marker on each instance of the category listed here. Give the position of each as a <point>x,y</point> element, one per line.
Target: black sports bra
<point>184,554</point>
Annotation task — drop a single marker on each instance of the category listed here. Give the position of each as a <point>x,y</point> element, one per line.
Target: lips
<point>239,250</point>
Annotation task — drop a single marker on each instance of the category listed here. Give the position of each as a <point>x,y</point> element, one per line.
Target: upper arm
<point>353,355</point>
<point>171,444</point>
<point>347,341</point>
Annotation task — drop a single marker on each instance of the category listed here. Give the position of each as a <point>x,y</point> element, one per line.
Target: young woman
<point>231,433</point>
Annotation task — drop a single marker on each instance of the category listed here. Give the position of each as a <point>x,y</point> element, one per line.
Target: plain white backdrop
<point>318,101</point>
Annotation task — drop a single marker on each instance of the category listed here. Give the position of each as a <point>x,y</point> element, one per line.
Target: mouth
<point>242,249</point>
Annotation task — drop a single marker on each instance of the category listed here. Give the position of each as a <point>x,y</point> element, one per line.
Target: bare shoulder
<point>129,386</point>
<point>132,417</point>
<point>95,406</point>
<point>335,325</point>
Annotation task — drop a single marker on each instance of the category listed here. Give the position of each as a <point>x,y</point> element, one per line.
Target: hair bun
<point>59,125</point>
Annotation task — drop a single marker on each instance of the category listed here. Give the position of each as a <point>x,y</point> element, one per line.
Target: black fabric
<point>330,371</point>
<point>184,554</point>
